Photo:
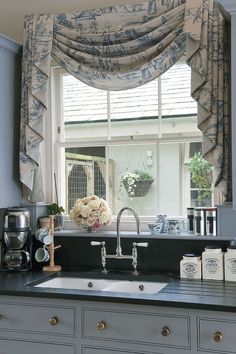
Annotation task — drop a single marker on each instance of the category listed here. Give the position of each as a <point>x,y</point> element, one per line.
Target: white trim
<point>159,108</point>
<point>107,150</point>
<point>158,173</point>
<point>108,115</point>
<point>59,142</point>
<point>153,139</point>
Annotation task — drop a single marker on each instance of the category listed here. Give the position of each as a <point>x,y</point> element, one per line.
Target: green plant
<point>201,175</point>
<point>131,181</point>
<point>54,209</point>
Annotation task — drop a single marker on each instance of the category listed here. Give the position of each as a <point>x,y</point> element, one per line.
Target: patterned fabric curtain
<point>117,48</point>
<point>207,53</point>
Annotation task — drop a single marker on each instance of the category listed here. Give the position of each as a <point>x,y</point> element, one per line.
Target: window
<point>106,139</point>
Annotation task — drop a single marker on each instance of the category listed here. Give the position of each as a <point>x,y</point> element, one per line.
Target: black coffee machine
<point>16,240</point>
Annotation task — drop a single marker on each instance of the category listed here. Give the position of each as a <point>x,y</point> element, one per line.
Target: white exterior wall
<point>170,176</point>
<point>166,182</point>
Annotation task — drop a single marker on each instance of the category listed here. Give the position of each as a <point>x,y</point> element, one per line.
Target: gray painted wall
<point>10,69</point>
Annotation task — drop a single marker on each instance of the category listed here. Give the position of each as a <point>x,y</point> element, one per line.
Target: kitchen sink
<point>110,285</point>
<point>75,283</point>
<point>136,287</point>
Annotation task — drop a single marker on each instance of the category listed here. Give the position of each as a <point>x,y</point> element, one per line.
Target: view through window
<point>132,147</point>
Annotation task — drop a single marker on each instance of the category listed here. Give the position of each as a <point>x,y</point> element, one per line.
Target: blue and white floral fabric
<point>122,47</point>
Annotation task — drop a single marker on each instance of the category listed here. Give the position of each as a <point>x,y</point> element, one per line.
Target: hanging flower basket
<point>140,188</point>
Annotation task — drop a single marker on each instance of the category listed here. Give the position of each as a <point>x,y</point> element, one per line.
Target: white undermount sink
<point>124,286</point>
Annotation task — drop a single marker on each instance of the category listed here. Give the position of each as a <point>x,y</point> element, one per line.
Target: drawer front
<point>14,346</point>
<point>216,335</point>
<point>37,318</point>
<point>93,350</point>
<point>136,327</point>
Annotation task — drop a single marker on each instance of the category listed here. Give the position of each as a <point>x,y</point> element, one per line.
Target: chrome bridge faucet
<point>119,255</point>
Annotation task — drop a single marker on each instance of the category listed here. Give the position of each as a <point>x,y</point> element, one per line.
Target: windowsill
<point>143,235</point>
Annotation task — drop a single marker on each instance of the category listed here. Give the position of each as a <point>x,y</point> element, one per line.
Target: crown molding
<point>9,45</point>
<point>228,5</point>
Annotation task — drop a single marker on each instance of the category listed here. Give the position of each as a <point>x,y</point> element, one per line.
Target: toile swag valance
<point>122,47</point>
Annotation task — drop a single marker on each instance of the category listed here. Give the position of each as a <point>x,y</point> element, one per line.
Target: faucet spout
<point>119,255</point>
<point>118,247</point>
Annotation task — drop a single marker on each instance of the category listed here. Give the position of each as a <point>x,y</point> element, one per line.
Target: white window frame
<point>54,142</point>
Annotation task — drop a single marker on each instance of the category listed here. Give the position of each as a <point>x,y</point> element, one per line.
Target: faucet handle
<point>140,244</point>
<point>97,243</point>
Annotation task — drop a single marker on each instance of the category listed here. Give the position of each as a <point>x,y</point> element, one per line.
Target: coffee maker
<point>16,241</point>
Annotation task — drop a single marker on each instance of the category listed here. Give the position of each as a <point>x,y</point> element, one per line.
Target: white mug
<point>43,235</point>
<point>42,255</point>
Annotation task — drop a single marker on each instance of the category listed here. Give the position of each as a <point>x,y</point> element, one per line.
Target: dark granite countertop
<point>201,294</point>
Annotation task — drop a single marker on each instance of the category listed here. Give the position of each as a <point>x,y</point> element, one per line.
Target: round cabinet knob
<point>53,321</point>
<point>218,337</point>
<point>165,331</point>
<point>101,325</point>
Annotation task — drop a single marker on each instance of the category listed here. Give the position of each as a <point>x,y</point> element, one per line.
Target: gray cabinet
<point>136,327</point>
<point>53,326</point>
<point>90,350</point>
<point>216,335</point>
<point>38,326</point>
<point>10,346</point>
<point>35,318</point>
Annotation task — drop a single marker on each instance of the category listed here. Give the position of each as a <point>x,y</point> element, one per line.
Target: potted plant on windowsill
<point>201,176</point>
<point>58,212</point>
<point>136,183</point>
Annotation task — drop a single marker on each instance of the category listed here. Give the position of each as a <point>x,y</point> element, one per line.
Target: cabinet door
<point>23,347</point>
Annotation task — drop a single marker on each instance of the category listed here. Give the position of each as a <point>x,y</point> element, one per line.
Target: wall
<point>13,11</point>
<point>10,64</point>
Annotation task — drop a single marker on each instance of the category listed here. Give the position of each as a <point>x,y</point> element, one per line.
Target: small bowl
<point>157,228</point>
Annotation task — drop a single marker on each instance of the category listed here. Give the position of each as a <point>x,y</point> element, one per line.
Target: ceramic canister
<point>230,264</point>
<point>212,263</point>
<point>191,266</point>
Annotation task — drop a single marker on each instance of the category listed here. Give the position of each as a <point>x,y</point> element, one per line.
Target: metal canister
<point>190,220</point>
<point>211,221</point>
<point>199,221</point>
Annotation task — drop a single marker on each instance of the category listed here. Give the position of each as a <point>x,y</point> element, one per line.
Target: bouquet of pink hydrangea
<point>91,212</point>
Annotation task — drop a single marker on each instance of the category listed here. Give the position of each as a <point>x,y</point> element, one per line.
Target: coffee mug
<point>175,226</point>
<point>43,235</point>
<point>16,258</point>
<point>42,255</point>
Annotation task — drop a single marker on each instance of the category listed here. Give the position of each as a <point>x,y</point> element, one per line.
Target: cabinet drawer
<point>36,318</point>
<point>166,330</point>
<point>216,335</point>
<point>15,346</point>
<point>93,350</point>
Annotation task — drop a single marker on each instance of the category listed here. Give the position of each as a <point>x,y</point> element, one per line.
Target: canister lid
<point>190,211</point>
<point>190,255</point>
<point>212,247</point>
<point>231,248</point>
